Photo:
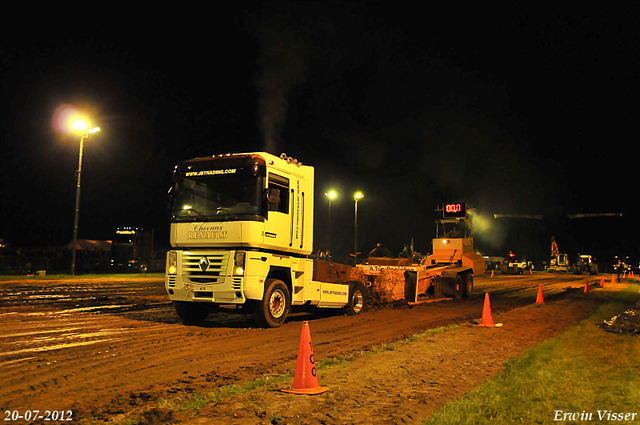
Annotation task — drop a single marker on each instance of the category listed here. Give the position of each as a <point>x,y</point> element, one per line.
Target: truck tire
<point>275,305</point>
<point>467,287</point>
<point>191,312</point>
<point>458,286</point>
<point>357,299</point>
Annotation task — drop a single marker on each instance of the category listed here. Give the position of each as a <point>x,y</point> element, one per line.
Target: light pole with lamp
<point>331,195</point>
<point>356,197</point>
<point>80,127</point>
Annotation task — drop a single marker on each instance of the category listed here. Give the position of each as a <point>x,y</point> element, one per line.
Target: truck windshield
<point>235,196</point>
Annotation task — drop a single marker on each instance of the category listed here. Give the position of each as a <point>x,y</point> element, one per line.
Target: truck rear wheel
<point>357,299</point>
<point>274,307</point>
<point>191,312</point>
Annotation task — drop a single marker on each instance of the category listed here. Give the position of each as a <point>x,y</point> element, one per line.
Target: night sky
<point>510,109</point>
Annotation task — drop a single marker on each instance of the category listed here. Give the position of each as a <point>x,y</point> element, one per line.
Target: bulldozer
<point>447,272</point>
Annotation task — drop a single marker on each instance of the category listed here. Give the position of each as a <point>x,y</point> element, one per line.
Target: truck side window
<point>281,183</point>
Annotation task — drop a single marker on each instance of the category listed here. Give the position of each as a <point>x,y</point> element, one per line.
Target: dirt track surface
<point>104,348</point>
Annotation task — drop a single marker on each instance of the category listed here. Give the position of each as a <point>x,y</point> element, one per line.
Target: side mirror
<point>273,199</point>
<point>170,202</point>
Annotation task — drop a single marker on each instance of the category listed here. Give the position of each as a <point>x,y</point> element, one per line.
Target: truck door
<point>277,231</point>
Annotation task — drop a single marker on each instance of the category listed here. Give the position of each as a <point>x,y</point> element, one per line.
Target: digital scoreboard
<point>458,210</point>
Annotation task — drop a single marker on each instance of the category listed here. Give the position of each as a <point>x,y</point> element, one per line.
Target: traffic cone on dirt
<point>540,299</point>
<point>305,380</point>
<point>586,286</point>
<point>602,281</point>
<point>487,318</point>
<point>492,273</point>
<point>613,278</point>
<point>530,272</point>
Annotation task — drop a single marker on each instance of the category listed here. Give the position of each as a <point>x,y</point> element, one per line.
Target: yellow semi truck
<point>241,234</point>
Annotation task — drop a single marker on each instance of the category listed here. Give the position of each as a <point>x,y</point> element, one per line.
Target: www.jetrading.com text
<point>209,172</point>
<point>326,292</point>
<point>601,415</point>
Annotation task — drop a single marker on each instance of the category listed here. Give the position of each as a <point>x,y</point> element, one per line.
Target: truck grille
<point>205,267</point>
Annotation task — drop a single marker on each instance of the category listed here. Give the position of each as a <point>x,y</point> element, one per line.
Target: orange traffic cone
<point>613,278</point>
<point>530,272</point>
<point>491,273</point>
<point>586,286</point>
<point>602,281</point>
<point>305,380</point>
<point>487,319</point>
<point>540,300</point>
<point>624,275</point>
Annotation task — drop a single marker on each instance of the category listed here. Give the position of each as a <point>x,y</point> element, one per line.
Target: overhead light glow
<point>80,125</point>
<point>331,194</point>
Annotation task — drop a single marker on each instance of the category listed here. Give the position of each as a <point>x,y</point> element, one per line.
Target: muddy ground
<point>108,349</point>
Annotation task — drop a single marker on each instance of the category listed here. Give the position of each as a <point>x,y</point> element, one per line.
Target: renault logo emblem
<point>204,264</point>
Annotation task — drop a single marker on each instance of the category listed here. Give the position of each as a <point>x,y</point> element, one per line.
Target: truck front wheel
<point>274,307</point>
<point>357,299</point>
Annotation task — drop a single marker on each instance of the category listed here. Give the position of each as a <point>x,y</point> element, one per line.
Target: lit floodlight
<point>80,125</point>
<point>331,194</point>
<point>94,130</point>
<point>358,195</point>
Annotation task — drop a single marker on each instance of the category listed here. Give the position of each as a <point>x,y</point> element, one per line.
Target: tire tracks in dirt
<point>118,347</point>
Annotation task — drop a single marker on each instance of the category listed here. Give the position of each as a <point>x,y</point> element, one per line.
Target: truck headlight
<point>238,263</point>
<point>172,264</point>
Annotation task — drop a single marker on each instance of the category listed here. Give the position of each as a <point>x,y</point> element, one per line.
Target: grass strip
<point>583,375</point>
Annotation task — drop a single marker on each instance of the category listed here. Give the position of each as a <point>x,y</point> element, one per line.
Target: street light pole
<point>77,213</point>
<point>331,195</point>
<point>356,198</point>
<point>80,127</point>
